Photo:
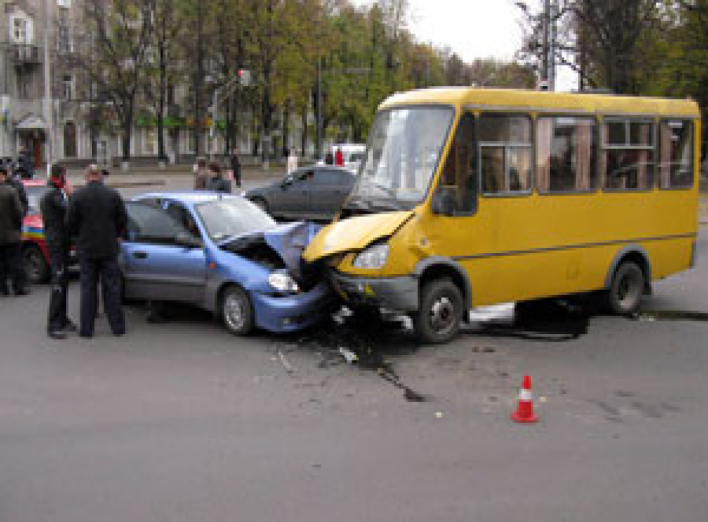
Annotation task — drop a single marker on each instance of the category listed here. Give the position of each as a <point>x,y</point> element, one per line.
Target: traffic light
<point>244,76</point>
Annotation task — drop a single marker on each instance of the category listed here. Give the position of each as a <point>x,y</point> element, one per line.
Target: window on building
<point>676,154</point>
<point>566,159</point>
<point>506,152</point>
<point>627,158</point>
<point>23,86</point>
<point>70,148</point>
<point>64,42</point>
<point>67,82</point>
<point>20,33</point>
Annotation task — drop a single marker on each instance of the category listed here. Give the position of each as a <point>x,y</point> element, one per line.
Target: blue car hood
<point>289,241</point>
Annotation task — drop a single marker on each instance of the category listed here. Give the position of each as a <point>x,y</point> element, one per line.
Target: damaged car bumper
<point>283,314</point>
<point>394,293</point>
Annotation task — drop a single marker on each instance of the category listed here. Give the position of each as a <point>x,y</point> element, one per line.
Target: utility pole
<point>48,102</point>
<point>318,131</point>
<point>548,62</point>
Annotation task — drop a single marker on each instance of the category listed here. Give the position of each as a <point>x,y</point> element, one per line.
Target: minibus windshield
<point>404,148</point>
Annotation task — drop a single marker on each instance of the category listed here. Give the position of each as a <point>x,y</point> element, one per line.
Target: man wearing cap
<point>54,205</point>
<point>10,233</point>
<point>98,220</point>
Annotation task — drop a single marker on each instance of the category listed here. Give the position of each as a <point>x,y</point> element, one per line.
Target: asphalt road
<point>181,421</point>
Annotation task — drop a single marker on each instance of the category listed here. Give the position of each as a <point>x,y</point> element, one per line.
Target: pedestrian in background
<point>98,220</point>
<point>329,158</point>
<point>236,166</point>
<point>53,206</point>
<point>15,181</point>
<point>200,174</point>
<point>339,158</point>
<point>25,164</point>
<point>292,160</point>
<point>215,181</point>
<point>10,233</point>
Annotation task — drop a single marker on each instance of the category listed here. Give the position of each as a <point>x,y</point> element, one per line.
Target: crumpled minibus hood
<point>354,234</point>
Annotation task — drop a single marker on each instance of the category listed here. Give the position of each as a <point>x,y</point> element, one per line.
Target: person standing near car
<point>10,234</point>
<point>339,158</point>
<point>53,206</point>
<point>215,181</point>
<point>16,182</point>
<point>98,220</point>
<point>292,160</point>
<point>236,166</point>
<point>200,174</point>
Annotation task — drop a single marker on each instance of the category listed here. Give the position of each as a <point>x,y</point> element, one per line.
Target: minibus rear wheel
<point>624,296</point>
<point>438,317</point>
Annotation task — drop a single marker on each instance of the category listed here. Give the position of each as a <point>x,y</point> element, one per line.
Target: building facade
<point>49,110</point>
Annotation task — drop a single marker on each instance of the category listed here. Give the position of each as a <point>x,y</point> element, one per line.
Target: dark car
<point>314,193</point>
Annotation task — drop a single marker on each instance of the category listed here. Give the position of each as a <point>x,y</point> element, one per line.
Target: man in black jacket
<point>16,182</point>
<point>97,219</point>
<point>10,233</point>
<point>53,206</point>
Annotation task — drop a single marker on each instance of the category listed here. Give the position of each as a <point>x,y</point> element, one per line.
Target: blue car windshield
<point>226,218</point>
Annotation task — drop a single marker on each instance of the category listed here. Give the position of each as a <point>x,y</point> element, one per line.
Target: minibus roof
<point>545,101</point>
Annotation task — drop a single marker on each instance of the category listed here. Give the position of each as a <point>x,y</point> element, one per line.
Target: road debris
<point>284,361</point>
<point>348,355</point>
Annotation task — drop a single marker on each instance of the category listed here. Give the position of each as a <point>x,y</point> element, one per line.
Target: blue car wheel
<point>237,311</point>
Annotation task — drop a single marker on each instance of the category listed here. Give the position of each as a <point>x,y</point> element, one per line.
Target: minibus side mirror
<point>443,203</point>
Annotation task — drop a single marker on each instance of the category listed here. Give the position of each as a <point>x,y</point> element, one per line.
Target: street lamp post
<point>48,105</point>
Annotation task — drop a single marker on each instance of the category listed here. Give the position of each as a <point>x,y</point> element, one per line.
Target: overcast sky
<point>471,28</point>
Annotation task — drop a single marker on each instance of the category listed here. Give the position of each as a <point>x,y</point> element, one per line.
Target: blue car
<point>224,254</point>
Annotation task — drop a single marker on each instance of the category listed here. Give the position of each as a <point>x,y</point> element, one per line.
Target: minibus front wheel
<point>440,312</point>
<point>624,297</point>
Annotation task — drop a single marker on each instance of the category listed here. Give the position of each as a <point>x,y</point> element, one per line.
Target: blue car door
<point>162,259</point>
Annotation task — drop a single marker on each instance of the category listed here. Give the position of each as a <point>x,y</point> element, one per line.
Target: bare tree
<point>112,55</point>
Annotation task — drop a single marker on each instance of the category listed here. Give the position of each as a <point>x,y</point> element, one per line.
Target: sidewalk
<point>153,175</point>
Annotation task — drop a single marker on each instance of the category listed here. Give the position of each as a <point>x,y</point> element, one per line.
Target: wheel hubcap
<point>233,311</point>
<point>628,289</point>
<point>442,314</point>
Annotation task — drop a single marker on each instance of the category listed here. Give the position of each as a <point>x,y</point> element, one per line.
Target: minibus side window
<point>627,158</point>
<point>458,182</point>
<point>676,154</point>
<point>506,152</point>
<point>566,158</point>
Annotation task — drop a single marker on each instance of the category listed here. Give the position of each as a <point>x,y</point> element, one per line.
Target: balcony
<point>24,54</point>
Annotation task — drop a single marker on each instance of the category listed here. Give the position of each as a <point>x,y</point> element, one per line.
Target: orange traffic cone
<point>524,411</point>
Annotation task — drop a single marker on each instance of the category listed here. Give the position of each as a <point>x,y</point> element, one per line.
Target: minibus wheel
<point>625,294</point>
<point>438,318</point>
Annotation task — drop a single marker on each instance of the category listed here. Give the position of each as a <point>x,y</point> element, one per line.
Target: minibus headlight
<point>373,257</point>
<point>283,282</point>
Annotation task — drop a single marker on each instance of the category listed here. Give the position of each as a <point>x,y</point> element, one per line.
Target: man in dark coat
<point>54,205</point>
<point>236,167</point>
<point>215,181</point>
<point>98,220</point>
<point>16,182</point>
<point>10,234</point>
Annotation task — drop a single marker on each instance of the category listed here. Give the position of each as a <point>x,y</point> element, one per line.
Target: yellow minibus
<point>468,197</point>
